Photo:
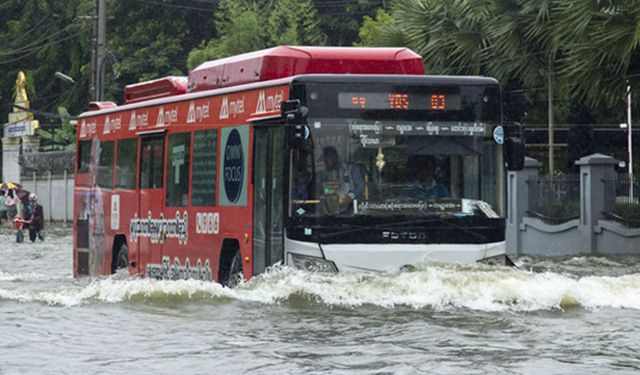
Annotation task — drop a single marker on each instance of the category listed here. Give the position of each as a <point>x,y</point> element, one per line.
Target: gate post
<point>518,202</point>
<point>50,181</point>
<point>11,159</point>
<point>66,196</point>
<point>593,170</point>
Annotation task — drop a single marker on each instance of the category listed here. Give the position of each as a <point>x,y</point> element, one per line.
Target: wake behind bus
<point>327,159</point>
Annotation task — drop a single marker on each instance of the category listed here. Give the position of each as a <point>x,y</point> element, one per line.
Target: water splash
<point>439,287</point>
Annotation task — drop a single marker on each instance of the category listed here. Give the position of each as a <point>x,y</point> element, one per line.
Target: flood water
<point>576,315</point>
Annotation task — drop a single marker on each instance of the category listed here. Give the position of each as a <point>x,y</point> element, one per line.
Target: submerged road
<point>548,316</point>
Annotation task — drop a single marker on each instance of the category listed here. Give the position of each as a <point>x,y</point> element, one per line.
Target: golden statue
<point>20,111</point>
<point>21,89</point>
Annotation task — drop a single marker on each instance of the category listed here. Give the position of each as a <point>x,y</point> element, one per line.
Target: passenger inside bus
<point>426,184</point>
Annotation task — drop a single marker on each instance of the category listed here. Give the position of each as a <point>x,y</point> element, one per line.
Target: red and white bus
<point>325,159</point>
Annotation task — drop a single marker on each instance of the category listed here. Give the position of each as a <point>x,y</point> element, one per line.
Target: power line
<point>33,28</point>
<point>210,2</point>
<point>170,5</point>
<point>338,3</point>
<point>80,85</point>
<point>36,49</point>
<point>46,16</point>
<point>33,44</point>
<point>42,113</point>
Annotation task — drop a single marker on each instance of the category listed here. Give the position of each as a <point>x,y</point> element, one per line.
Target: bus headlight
<point>313,264</point>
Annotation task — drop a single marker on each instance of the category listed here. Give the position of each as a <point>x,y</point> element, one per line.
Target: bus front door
<point>150,200</point>
<point>268,180</point>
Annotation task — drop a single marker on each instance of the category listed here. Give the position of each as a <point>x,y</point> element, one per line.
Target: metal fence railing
<point>554,200</point>
<point>622,203</point>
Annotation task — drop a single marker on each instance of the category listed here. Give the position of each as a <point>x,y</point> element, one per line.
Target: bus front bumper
<point>389,257</point>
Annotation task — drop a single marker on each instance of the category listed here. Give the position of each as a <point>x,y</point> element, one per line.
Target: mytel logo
<point>233,164</point>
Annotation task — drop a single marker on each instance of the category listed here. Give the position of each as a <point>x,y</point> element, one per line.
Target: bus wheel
<point>234,275</point>
<point>122,259</point>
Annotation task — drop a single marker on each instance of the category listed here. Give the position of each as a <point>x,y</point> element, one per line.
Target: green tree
<point>374,32</point>
<point>602,54</point>
<point>590,48</point>
<point>454,38</point>
<point>521,47</point>
<point>145,40</point>
<point>239,29</point>
<point>62,137</point>
<point>150,40</point>
<point>341,20</point>
<point>250,25</point>
<point>40,38</point>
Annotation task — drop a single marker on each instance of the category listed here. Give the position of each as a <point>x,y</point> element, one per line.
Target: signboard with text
<point>20,128</point>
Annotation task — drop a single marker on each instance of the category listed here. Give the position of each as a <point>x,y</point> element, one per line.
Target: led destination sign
<point>399,101</point>
<point>395,101</point>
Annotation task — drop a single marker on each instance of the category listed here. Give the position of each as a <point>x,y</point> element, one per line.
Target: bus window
<point>178,169</point>
<point>126,163</point>
<point>205,144</point>
<point>105,166</point>
<point>151,162</point>
<point>84,156</point>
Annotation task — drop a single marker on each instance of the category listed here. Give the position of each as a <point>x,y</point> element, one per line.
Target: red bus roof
<point>156,88</point>
<point>276,63</point>
<point>287,61</point>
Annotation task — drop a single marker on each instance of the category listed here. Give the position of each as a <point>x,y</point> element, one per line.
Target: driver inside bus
<point>338,184</point>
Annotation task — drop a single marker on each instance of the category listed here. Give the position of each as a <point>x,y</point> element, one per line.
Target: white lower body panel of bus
<point>390,257</point>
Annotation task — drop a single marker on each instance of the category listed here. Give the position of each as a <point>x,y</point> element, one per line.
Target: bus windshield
<point>385,163</point>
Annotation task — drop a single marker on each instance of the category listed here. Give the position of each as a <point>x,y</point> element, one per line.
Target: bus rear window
<point>84,156</point>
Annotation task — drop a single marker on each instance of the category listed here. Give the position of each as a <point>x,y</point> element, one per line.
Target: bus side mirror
<point>292,111</point>
<point>295,114</point>
<point>514,147</point>
<point>514,154</point>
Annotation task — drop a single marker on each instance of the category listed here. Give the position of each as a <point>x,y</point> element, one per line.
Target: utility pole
<point>98,47</point>
<point>629,141</point>
<point>94,52</point>
<point>101,48</point>
<point>550,116</point>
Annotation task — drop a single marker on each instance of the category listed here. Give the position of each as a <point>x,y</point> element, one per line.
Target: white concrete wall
<point>54,194</point>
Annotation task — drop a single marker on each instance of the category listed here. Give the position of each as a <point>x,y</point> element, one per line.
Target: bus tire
<point>122,259</point>
<point>232,276</point>
<point>235,270</point>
